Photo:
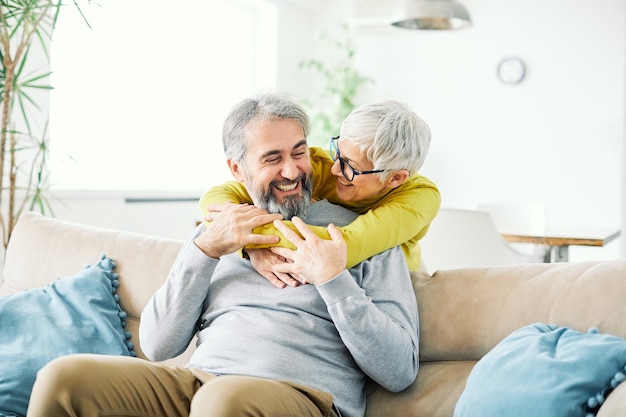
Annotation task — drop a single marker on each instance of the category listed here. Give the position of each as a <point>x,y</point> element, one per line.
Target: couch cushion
<point>434,392</point>
<point>545,370</point>
<point>43,248</point>
<point>78,314</point>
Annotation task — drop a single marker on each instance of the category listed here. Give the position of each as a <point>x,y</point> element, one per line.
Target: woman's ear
<point>397,178</point>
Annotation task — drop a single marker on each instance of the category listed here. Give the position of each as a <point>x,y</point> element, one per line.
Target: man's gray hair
<point>266,106</point>
<point>390,135</point>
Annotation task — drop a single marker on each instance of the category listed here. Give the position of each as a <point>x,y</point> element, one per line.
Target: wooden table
<point>560,239</point>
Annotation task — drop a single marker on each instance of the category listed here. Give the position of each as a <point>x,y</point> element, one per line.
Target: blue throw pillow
<point>544,370</point>
<point>78,314</point>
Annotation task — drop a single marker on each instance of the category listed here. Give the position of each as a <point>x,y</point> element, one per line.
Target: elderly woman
<point>372,169</point>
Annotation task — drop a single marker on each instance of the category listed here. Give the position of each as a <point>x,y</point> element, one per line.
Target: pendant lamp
<point>431,15</point>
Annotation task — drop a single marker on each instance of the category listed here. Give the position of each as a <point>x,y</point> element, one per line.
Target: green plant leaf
<point>24,157</point>
<point>341,84</point>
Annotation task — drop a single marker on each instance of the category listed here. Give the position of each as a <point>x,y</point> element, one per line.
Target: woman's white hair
<point>390,135</point>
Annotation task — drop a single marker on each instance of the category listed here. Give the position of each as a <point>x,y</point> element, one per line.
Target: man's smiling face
<point>277,169</point>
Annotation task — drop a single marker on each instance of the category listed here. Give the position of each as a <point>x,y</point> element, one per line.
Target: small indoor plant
<point>26,28</point>
<point>341,85</point>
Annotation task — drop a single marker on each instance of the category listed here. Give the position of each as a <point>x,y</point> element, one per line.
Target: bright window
<point>139,100</point>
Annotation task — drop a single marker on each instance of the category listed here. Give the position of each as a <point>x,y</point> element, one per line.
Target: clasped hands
<point>315,260</point>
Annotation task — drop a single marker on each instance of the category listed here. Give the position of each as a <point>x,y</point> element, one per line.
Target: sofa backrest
<point>464,313</point>
<point>42,249</point>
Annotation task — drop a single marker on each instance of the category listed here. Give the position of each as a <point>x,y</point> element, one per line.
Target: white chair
<point>459,238</point>
<point>528,217</point>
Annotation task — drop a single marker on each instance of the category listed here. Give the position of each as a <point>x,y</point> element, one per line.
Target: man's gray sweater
<point>362,323</point>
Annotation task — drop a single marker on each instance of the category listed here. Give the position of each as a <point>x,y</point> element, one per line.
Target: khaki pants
<point>115,386</point>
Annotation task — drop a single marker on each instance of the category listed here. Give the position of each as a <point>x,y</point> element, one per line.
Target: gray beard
<point>293,205</point>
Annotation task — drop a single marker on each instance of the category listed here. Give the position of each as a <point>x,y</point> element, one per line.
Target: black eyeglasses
<point>347,170</point>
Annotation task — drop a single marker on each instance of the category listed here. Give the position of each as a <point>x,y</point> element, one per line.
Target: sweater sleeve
<point>230,191</point>
<point>378,320</point>
<point>400,218</point>
<point>169,321</point>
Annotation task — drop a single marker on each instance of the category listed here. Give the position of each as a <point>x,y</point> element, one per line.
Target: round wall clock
<point>511,70</point>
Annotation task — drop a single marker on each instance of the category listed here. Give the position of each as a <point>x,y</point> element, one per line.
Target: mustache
<point>286,182</point>
<point>293,205</point>
<point>302,178</point>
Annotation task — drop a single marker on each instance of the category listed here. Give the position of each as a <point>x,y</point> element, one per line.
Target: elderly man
<point>302,351</point>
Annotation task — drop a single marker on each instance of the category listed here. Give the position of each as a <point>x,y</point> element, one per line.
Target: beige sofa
<point>463,313</point>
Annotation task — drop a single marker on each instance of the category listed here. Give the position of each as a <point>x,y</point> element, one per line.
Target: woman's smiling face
<point>362,186</point>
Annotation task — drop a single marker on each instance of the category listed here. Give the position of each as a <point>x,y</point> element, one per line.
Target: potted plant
<point>26,28</point>
<point>341,85</point>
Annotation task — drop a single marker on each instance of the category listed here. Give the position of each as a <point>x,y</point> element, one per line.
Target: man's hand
<point>263,260</point>
<point>213,210</point>
<point>231,229</point>
<point>315,260</point>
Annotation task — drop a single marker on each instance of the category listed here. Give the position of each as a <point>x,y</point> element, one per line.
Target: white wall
<point>557,138</point>
<point>166,214</point>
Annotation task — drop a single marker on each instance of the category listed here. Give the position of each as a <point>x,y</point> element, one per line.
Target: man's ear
<point>236,170</point>
<point>397,178</point>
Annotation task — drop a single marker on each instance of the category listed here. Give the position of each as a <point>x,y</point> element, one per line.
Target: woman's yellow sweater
<point>399,217</point>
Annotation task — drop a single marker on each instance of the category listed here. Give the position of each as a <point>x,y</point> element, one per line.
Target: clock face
<point>511,70</point>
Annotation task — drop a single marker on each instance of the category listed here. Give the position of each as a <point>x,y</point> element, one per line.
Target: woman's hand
<point>315,260</point>
<point>263,260</point>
